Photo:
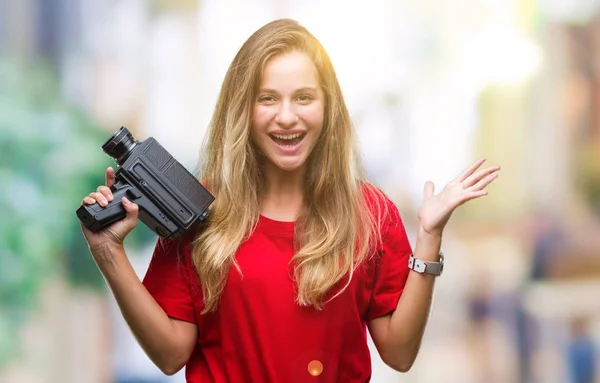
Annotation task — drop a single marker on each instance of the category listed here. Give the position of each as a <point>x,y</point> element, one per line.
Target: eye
<point>266,99</point>
<point>304,98</point>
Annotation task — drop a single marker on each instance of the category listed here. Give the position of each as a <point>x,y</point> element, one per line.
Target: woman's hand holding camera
<point>115,233</point>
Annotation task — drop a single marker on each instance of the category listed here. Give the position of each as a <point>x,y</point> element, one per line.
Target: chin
<point>290,166</point>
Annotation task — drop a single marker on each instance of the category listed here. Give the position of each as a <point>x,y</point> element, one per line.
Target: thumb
<point>428,189</point>
<point>131,209</point>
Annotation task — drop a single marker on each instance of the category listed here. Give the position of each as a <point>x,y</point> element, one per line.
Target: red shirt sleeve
<point>391,265</point>
<point>168,278</point>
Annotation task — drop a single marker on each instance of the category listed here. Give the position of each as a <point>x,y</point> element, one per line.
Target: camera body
<point>170,198</point>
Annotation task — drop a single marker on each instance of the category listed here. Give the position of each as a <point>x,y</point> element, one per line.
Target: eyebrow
<point>304,89</point>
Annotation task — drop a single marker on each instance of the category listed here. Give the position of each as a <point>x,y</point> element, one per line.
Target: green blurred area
<point>50,158</point>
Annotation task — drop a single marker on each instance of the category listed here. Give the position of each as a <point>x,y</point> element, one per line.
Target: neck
<point>283,193</point>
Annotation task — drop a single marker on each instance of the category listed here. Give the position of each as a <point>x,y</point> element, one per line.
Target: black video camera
<point>170,198</point>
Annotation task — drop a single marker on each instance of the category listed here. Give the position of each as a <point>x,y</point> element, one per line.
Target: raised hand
<point>436,209</point>
<point>115,233</point>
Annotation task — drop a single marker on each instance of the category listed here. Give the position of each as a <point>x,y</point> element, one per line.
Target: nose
<point>286,117</point>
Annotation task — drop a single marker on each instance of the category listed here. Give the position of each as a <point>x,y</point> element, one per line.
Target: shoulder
<point>383,212</point>
<point>177,247</point>
<point>172,257</point>
<point>373,194</point>
<point>377,202</point>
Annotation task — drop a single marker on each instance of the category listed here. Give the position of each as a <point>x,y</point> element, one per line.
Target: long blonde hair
<point>336,229</point>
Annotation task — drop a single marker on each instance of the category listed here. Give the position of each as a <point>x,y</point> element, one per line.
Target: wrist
<point>428,245</point>
<point>430,235</point>
<point>106,253</point>
<point>429,239</point>
<point>102,246</point>
<point>427,267</point>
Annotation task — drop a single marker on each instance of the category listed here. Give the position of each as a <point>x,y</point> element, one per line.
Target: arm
<point>168,342</point>
<point>398,335</point>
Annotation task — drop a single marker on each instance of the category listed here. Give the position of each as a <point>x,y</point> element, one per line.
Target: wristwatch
<point>425,267</point>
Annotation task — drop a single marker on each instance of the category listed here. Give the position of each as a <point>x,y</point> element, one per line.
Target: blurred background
<point>431,85</point>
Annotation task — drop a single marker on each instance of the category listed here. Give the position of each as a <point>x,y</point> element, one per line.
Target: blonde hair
<point>338,226</point>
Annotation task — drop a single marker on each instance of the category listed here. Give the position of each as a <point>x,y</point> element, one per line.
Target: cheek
<point>314,117</point>
<point>261,117</point>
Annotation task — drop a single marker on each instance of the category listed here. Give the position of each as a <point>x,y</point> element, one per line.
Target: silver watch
<point>425,267</point>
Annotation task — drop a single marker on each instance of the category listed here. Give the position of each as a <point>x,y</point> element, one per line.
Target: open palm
<point>436,209</point>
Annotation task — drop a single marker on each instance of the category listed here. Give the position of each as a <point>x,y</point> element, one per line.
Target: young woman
<point>300,254</point>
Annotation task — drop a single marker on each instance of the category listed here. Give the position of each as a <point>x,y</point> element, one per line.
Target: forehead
<point>289,70</point>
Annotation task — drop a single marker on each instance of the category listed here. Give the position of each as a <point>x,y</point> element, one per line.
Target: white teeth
<point>287,136</point>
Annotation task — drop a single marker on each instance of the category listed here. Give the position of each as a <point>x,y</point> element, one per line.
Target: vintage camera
<point>170,198</point>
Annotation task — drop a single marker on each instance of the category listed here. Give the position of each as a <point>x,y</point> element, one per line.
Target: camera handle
<point>96,217</point>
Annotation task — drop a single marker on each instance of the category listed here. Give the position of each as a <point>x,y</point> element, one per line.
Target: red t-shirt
<point>259,333</point>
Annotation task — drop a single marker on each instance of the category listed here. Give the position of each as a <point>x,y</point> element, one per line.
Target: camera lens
<point>119,145</point>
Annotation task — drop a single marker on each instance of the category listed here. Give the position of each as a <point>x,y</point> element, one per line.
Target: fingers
<point>481,175</point>
<point>110,177</point>
<point>485,181</point>
<point>94,197</point>
<point>478,189</point>
<point>474,194</point>
<point>103,195</point>
<point>106,192</point>
<point>88,201</point>
<point>470,170</point>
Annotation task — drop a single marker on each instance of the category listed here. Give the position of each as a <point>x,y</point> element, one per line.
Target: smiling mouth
<point>289,140</point>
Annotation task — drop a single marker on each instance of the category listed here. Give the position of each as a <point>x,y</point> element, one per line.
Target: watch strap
<point>426,267</point>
